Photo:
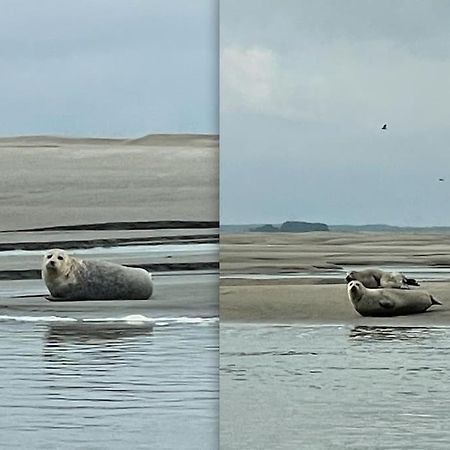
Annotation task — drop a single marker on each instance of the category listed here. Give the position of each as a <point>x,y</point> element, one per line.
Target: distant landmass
<point>265,229</point>
<point>291,227</point>
<point>390,228</point>
<point>301,227</point>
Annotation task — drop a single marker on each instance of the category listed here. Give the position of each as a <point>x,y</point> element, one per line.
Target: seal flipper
<point>434,301</point>
<point>50,298</point>
<point>411,282</point>
<point>385,303</point>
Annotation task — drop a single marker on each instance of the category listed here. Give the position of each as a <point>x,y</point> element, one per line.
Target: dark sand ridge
<point>43,238</point>
<point>314,299</point>
<point>108,242</point>
<point>53,181</point>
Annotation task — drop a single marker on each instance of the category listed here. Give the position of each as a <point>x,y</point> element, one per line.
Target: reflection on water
<point>92,340</point>
<point>108,385</point>
<point>383,333</point>
<point>339,387</point>
<point>93,333</point>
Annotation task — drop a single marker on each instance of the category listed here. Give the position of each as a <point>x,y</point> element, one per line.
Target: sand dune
<point>51,181</point>
<point>165,140</point>
<point>39,141</point>
<point>196,140</point>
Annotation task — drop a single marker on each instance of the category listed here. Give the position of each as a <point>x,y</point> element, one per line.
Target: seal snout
<point>50,264</point>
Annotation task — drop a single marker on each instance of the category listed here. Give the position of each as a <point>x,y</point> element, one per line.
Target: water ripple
<point>89,380</point>
<point>334,387</point>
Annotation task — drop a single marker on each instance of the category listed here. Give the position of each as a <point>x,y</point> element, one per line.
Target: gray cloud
<point>305,88</point>
<point>113,68</point>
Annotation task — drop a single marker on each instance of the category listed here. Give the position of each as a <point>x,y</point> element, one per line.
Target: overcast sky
<point>108,67</point>
<point>305,88</point>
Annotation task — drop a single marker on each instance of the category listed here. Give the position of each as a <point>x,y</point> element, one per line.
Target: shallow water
<point>339,387</point>
<point>92,385</point>
<point>128,250</point>
<point>421,273</point>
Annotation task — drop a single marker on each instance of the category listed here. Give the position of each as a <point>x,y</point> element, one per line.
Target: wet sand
<point>315,298</point>
<point>176,295</point>
<point>51,181</point>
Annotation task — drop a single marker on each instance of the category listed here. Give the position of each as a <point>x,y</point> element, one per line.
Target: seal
<point>388,302</point>
<point>70,278</point>
<point>376,278</point>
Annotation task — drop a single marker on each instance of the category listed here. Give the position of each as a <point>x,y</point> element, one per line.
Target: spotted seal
<point>377,278</point>
<point>388,302</point>
<point>71,278</point>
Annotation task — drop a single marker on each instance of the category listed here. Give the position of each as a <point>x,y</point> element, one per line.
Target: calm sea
<point>334,387</point>
<point>111,385</point>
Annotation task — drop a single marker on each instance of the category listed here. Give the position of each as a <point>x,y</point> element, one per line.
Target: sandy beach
<point>51,181</point>
<point>281,277</point>
<point>150,202</point>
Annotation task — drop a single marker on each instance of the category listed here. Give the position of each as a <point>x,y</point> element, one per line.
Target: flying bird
<point>384,127</point>
<point>441,179</point>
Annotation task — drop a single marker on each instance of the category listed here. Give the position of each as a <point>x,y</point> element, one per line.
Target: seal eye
<point>49,256</point>
<point>60,258</point>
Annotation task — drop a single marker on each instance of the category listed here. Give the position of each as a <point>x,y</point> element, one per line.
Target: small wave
<point>164,321</point>
<point>130,320</point>
<point>37,318</point>
<point>133,318</point>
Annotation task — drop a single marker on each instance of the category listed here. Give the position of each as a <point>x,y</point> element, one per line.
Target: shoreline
<point>322,299</point>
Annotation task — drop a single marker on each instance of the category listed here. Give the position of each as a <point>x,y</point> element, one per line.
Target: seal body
<point>388,302</point>
<point>376,278</point>
<point>70,278</point>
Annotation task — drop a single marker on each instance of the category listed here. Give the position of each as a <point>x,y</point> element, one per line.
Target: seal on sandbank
<point>388,302</point>
<point>70,278</point>
<point>377,278</point>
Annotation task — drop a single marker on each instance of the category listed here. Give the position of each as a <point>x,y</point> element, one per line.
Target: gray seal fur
<point>388,302</point>
<point>71,278</point>
<point>377,278</point>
